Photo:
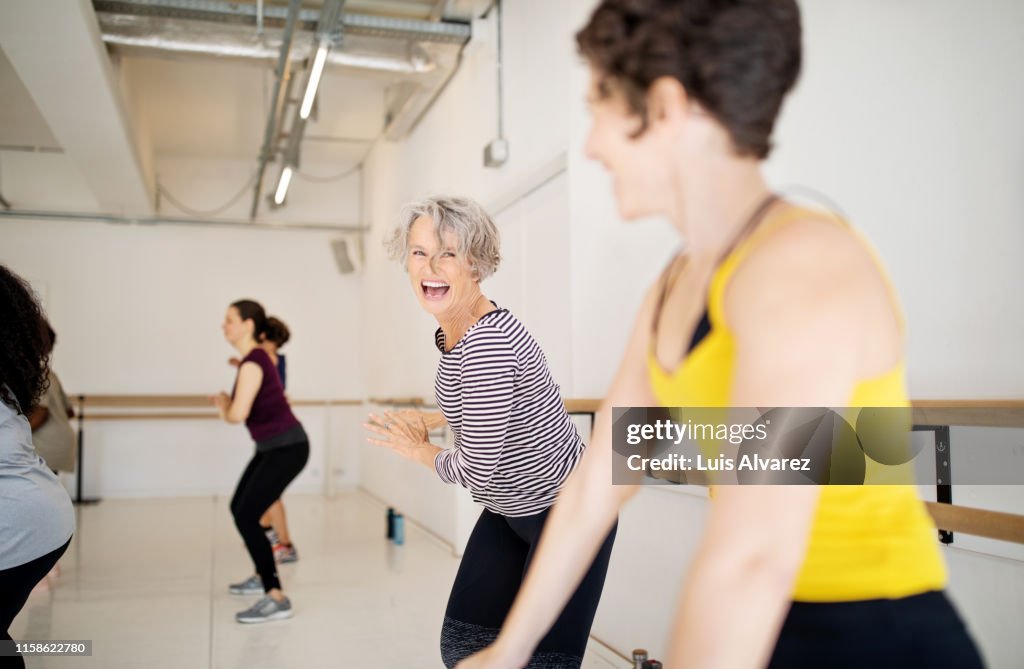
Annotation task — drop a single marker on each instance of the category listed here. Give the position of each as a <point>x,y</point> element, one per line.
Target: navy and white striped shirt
<point>514,442</point>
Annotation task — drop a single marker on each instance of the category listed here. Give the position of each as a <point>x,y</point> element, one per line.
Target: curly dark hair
<point>737,58</point>
<point>276,331</point>
<point>25,353</point>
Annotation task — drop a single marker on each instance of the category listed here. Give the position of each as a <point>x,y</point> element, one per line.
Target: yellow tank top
<point>867,541</point>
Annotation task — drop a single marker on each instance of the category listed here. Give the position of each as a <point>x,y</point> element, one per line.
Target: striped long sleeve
<point>514,442</point>
<point>487,375</point>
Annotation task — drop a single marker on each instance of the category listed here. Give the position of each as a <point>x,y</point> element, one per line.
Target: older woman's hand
<point>406,434</point>
<point>432,419</point>
<point>411,415</point>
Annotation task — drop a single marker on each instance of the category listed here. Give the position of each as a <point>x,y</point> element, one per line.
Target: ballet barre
<point>111,407</point>
<point>936,416</point>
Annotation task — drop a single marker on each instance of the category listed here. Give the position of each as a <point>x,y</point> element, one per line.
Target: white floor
<point>146,581</point>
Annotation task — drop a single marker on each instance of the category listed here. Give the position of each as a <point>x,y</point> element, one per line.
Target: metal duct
<point>19,214</point>
<point>142,35</point>
<point>416,57</point>
<point>277,104</point>
<point>248,15</point>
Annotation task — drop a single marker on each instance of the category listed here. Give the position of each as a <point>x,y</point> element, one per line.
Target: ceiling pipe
<point>277,103</point>
<point>328,34</point>
<point>240,13</point>
<point>166,220</point>
<point>129,34</point>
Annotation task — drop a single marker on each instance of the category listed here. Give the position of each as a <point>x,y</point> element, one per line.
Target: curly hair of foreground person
<point>25,353</point>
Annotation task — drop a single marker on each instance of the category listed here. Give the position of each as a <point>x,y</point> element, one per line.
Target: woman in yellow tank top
<point>770,305</point>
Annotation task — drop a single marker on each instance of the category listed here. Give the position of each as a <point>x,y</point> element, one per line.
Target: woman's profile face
<point>640,173</point>
<point>446,286</point>
<point>235,329</point>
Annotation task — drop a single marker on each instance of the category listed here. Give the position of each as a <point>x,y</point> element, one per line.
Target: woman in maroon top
<point>282,449</point>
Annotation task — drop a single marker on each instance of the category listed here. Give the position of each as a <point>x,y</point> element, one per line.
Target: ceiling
<point>218,109</point>
<point>21,124</point>
<point>201,105</point>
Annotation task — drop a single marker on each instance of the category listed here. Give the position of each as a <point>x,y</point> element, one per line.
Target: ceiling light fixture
<point>314,80</point>
<point>282,185</point>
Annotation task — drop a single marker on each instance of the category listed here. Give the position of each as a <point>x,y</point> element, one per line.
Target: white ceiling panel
<point>56,50</point>
<point>211,108</point>
<point>21,123</point>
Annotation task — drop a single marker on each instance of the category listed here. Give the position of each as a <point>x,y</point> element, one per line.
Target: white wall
<point>989,593</point>
<point>908,115</point>
<point>654,545</point>
<point>181,458</point>
<point>138,311</point>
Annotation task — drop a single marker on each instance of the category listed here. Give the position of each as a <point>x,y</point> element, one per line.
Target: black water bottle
<point>391,523</point>
<point>652,664</point>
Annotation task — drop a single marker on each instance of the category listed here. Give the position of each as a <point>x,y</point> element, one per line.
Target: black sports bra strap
<point>752,222</point>
<point>664,281</point>
<point>667,275</point>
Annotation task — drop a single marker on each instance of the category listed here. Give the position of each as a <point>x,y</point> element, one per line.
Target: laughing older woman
<point>515,445</point>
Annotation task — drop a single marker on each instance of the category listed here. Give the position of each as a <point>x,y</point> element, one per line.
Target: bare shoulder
<point>811,258</point>
<point>816,242</point>
<point>816,276</point>
<point>250,369</point>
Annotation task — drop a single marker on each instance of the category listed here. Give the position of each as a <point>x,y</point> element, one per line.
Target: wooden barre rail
<point>187,401</point>
<point>90,417</point>
<point>401,401</point>
<point>994,413</point>
<point>973,413</point>
<point>965,413</point>
<point>987,413</point>
<point>582,405</point>
<point>194,401</point>
<point>88,407</point>
<point>979,522</point>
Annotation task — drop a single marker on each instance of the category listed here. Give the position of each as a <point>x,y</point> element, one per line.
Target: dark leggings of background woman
<point>263,482</point>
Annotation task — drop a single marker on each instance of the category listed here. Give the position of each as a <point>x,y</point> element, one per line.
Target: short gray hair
<point>476,235</point>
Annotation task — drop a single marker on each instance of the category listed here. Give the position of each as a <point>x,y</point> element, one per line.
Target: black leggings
<point>918,631</point>
<point>16,584</point>
<point>262,483</point>
<point>496,559</point>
